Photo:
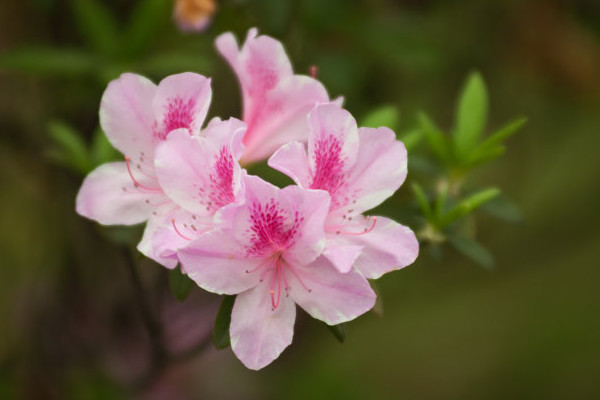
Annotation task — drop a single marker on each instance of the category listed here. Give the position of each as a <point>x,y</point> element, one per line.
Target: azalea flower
<point>199,174</point>
<point>139,118</point>
<point>360,168</point>
<point>267,250</point>
<point>275,101</point>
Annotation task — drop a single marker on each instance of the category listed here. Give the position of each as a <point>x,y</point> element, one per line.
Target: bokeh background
<point>70,324</point>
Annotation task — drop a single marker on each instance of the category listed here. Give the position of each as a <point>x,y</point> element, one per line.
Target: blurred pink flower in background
<point>194,15</point>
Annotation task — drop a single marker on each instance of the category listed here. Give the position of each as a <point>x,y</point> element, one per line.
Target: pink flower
<point>141,119</point>
<point>276,101</point>
<point>200,174</point>
<point>267,251</point>
<point>360,168</point>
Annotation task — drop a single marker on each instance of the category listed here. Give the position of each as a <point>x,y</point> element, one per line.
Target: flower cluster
<point>233,233</point>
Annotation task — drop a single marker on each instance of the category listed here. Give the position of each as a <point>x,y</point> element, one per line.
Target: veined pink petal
<point>341,255</point>
<point>276,102</point>
<point>126,115</point>
<point>218,263</point>
<point>291,160</point>
<point>387,247</point>
<point>259,333</point>
<point>333,297</point>
<point>170,229</point>
<point>181,101</point>
<point>108,195</point>
<point>198,174</point>
<point>302,214</point>
<point>229,132</point>
<point>333,143</point>
<point>380,168</point>
<point>281,117</point>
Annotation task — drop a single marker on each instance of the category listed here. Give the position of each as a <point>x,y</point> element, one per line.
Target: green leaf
<point>180,284</point>
<point>473,250</point>
<point>378,307</point>
<point>502,208</point>
<point>436,139</point>
<point>102,151</point>
<point>471,115</point>
<point>422,201</point>
<point>468,205</point>
<point>485,155</point>
<point>339,331</point>
<point>221,330</point>
<point>146,20</point>
<point>48,61</point>
<point>503,133</point>
<point>97,25</point>
<point>70,149</point>
<point>387,116</point>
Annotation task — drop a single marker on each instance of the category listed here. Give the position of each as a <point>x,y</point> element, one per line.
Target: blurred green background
<point>528,329</point>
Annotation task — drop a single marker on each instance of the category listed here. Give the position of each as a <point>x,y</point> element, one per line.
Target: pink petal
<point>333,142</point>
<point>291,160</point>
<point>380,168</point>
<point>331,296</point>
<point>145,246</point>
<point>181,101</point>
<point>258,333</point>
<point>226,133</point>
<point>309,207</point>
<point>168,232</point>
<point>109,196</point>
<point>389,246</point>
<point>275,101</point>
<point>217,263</point>
<point>126,115</point>
<point>195,173</point>
<point>341,255</point>
<point>282,116</point>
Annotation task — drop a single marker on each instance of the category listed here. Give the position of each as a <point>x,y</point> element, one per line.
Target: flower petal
<point>291,159</point>
<point>146,245</point>
<point>126,115</point>
<point>167,232</point>
<point>380,168</point>
<point>281,117</point>
<point>329,295</point>
<point>342,256</point>
<point>109,196</point>
<point>217,263</point>
<point>276,102</point>
<point>333,140</point>
<point>258,332</point>
<point>196,174</point>
<point>387,247</point>
<point>229,132</point>
<point>181,101</point>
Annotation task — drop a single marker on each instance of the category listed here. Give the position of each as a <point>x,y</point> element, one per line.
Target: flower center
<point>276,266</point>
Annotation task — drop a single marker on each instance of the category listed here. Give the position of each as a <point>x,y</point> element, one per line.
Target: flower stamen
<point>177,230</point>
<point>135,182</point>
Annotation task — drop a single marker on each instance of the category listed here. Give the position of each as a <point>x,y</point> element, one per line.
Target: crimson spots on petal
<point>221,180</point>
<point>272,229</point>
<point>329,166</point>
<point>179,113</point>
